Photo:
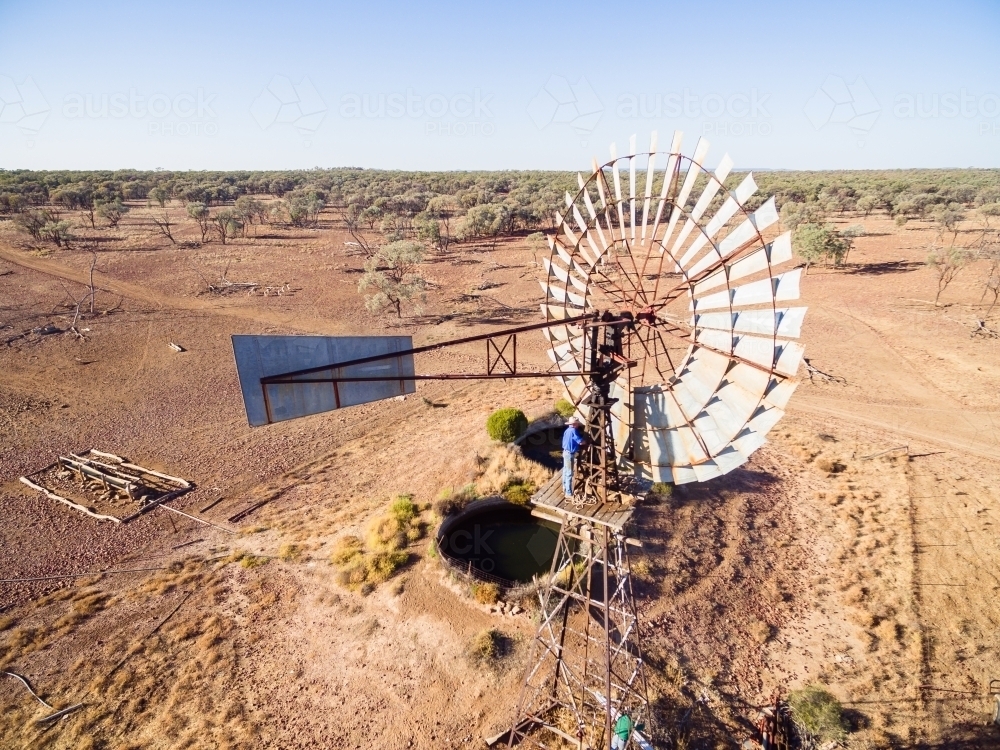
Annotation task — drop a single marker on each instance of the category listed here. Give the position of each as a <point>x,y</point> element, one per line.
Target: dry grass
<point>504,465</point>
<point>181,682</point>
<point>450,501</point>
<point>490,647</point>
<point>365,564</point>
<point>642,570</point>
<point>289,552</point>
<point>252,561</point>
<point>526,595</point>
<point>486,593</point>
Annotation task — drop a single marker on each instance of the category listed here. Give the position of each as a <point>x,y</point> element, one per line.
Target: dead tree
<point>163,226</point>
<point>946,262</point>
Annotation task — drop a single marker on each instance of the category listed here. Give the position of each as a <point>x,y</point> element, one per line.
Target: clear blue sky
<point>469,85</point>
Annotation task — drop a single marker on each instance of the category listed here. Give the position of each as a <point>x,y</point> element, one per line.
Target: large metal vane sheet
<point>267,356</point>
<point>711,411</point>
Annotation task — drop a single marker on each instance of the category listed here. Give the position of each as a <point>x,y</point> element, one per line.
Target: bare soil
<point>857,550</point>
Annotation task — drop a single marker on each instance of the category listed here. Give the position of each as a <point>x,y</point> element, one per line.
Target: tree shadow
<point>889,266</point>
<point>477,317</point>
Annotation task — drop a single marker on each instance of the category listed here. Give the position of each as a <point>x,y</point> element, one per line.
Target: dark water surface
<point>508,542</point>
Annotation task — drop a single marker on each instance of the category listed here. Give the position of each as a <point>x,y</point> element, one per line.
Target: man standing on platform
<point>571,442</point>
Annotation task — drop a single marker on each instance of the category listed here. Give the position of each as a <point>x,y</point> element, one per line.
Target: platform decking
<point>549,501</point>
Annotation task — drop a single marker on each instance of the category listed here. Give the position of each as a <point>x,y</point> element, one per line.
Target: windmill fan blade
<point>784,322</point>
<point>708,381</point>
<point>772,254</point>
<point>779,289</point>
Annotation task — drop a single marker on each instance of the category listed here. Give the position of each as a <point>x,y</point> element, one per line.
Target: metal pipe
<point>431,347</point>
<point>287,379</point>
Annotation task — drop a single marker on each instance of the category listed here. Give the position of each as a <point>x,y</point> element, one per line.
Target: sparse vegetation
<point>390,274</point>
<point>506,425</point>
<point>947,263</point>
<point>662,489</point>
<point>253,561</point>
<point>504,466</point>
<point>641,569</point>
<point>450,501</point>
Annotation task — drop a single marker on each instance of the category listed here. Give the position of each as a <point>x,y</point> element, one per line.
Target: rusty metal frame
<point>496,355</point>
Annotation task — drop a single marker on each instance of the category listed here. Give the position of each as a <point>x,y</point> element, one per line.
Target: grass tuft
<point>819,713</point>
<point>365,564</point>
<point>249,561</point>
<point>449,501</point>
<point>564,408</point>
<point>489,647</point>
<point>518,491</point>
<point>486,593</point>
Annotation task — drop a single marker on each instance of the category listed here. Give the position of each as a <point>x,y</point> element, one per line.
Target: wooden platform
<point>550,503</point>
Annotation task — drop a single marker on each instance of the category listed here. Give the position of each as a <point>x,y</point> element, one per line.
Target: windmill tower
<point>685,365</point>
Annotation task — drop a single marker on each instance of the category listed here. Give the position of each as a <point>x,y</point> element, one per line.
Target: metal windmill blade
<point>658,238</point>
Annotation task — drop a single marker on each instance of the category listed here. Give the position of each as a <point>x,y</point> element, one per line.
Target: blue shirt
<point>571,440</point>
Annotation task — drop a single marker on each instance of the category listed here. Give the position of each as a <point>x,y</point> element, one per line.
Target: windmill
<point>667,323</point>
<point>694,346</point>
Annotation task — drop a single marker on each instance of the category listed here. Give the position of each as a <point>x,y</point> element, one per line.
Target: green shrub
<point>518,491</point>
<point>821,242</point>
<point>662,490</point>
<point>403,509</point>
<point>818,712</point>
<point>506,425</point>
<point>564,408</point>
